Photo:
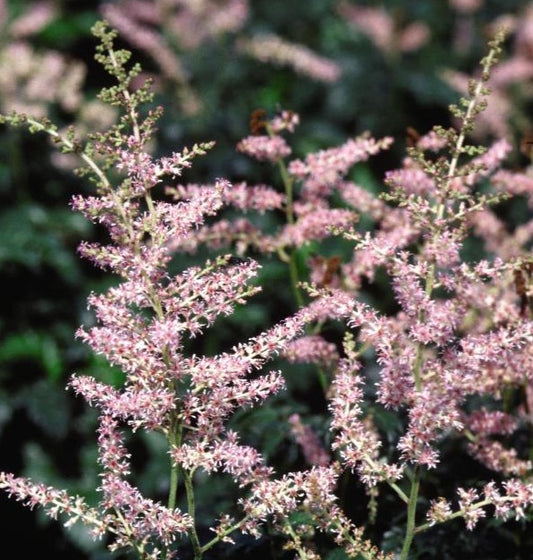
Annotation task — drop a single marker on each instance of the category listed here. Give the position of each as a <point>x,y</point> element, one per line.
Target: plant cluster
<point>447,364</point>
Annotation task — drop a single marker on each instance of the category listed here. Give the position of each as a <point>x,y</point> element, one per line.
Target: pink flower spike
<point>264,148</point>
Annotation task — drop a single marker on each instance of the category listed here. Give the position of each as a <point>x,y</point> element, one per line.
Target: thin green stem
<point>225,533</point>
<point>295,280</point>
<point>411,515</point>
<point>189,489</point>
<point>455,515</point>
<point>296,541</point>
<point>174,441</point>
<point>289,214</point>
<point>95,168</point>
<point>375,467</point>
<point>288,184</point>
<point>402,495</point>
<point>322,379</point>
<point>418,367</point>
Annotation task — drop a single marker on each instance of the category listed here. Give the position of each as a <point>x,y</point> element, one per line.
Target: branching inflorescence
<point>462,329</point>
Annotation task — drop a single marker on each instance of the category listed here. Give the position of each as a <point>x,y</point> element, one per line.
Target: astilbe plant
<point>462,330</point>
<point>141,327</point>
<point>462,333</point>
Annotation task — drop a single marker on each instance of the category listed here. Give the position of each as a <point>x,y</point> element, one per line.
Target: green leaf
<point>39,346</point>
<point>33,236</point>
<point>62,32</point>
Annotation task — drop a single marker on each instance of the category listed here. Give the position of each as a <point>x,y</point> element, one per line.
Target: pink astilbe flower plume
<point>433,354</point>
<point>321,172</point>
<point>274,49</point>
<point>436,363</point>
<point>142,324</point>
<point>383,31</point>
<point>356,440</point>
<point>171,33</point>
<point>307,439</point>
<point>309,184</point>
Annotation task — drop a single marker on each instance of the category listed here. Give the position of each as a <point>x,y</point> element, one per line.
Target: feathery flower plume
<point>274,49</point>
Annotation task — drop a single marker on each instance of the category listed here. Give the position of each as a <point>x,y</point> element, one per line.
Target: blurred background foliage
<point>388,81</point>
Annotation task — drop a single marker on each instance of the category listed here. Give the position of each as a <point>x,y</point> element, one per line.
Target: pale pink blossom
<point>411,180</point>
<point>243,463</point>
<point>487,422</point>
<point>376,23</point>
<point>432,412</point>
<point>362,200</point>
<point>194,22</point>
<point>413,36</point>
<point>35,18</point>
<point>286,120</point>
<point>264,147</point>
<point>142,517</point>
<point>466,6</point>
<point>322,171</point>
<point>312,349</point>
<point>380,27</point>
<point>316,225</point>
<point>356,439</point>
<point>31,80</point>
<point>468,506</point>
<point>524,32</point>
<point>274,49</point>
<point>487,163</point>
<point>145,38</point>
<point>54,502</point>
<point>245,197</point>
<point>493,455</point>
<point>514,70</point>
<point>311,447</point>
<point>514,183</point>
<point>454,330</point>
<point>439,511</point>
<point>431,141</point>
